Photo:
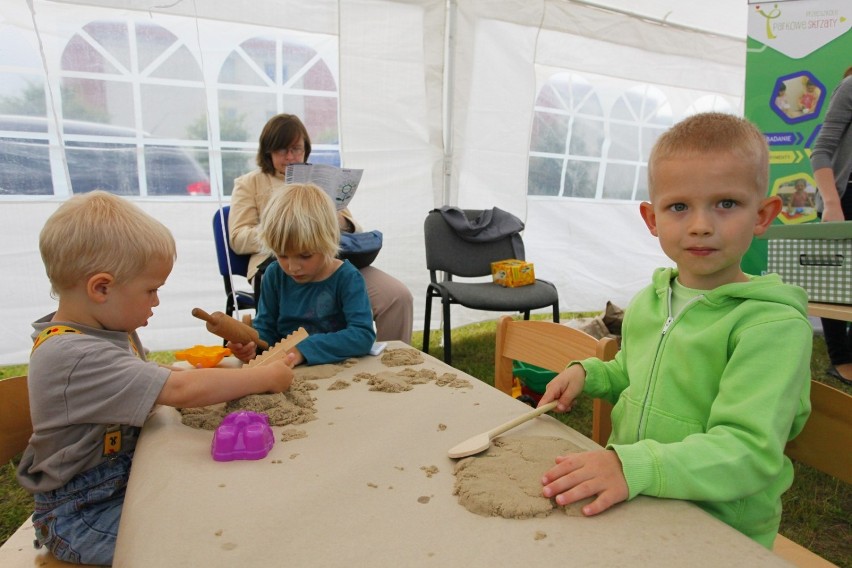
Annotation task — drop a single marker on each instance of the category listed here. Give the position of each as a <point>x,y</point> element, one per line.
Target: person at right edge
<point>831,161</point>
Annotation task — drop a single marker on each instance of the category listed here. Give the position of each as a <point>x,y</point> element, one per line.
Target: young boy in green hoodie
<point>707,391</point>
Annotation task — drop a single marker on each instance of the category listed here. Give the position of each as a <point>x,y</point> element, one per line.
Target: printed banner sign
<point>797,51</point>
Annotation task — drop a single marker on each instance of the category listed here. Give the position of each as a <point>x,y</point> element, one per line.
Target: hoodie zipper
<point>670,319</point>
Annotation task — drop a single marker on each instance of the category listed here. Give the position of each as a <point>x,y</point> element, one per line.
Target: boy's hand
<point>281,372</point>
<point>565,387</point>
<point>245,352</point>
<point>578,476</point>
<point>295,356</point>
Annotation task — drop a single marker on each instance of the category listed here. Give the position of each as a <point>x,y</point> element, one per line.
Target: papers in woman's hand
<point>339,183</point>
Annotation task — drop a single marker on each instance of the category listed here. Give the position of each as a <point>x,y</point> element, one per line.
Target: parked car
<point>109,162</point>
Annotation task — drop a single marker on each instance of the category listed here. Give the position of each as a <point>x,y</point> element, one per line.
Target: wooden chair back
<point>15,424</point>
<point>826,441</point>
<point>550,346</point>
<point>15,430</point>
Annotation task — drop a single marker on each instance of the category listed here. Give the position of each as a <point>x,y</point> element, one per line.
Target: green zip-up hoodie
<point>705,400</point>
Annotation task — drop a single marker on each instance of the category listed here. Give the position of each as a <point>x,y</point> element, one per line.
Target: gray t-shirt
<point>83,386</point>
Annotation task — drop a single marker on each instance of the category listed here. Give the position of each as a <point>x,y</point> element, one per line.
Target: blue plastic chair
<point>239,264</point>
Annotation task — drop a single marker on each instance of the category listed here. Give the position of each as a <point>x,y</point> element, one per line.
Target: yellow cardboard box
<point>512,273</point>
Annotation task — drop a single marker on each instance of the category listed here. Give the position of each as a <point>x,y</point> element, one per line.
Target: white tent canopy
<point>439,102</point>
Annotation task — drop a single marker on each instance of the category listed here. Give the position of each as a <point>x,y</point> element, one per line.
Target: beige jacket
<point>252,192</point>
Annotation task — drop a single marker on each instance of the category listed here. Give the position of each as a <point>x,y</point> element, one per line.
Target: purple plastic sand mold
<point>242,435</point>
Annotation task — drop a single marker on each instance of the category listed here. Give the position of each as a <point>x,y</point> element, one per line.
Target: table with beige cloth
<point>371,485</point>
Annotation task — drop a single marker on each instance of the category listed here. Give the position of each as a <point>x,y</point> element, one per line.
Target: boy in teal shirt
<point>707,390</point>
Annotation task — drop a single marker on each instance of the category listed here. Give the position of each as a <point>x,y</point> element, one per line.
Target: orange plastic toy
<point>203,356</point>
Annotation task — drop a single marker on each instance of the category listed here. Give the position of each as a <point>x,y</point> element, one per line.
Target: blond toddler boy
<point>90,385</point>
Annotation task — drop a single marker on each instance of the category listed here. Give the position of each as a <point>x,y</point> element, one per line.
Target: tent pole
<point>449,85</point>
<point>448,92</point>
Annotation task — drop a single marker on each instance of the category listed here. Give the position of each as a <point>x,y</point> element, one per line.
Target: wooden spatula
<point>482,442</point>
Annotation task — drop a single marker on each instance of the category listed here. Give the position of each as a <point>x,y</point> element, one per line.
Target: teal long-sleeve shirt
<point>706,399</point>
<point>335,312</point>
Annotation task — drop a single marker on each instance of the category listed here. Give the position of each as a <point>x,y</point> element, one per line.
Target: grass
<point>817,508</point>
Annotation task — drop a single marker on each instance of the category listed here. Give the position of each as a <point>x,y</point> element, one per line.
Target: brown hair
<point>713,132</point>
<point>280,132</point>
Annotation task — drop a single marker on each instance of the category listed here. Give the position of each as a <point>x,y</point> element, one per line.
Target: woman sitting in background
<point>284,141</point>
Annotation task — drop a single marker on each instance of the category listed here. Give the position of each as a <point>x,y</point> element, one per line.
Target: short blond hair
<point>101,232</point>
<point>301,218</point>
<point>714,133</point>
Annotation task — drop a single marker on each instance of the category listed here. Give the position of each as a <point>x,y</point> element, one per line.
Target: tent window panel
<point>573,133</point>
<point>303,69</point>
<point>95,166</point>
<point>549,98</point>
<point>649,138</point>
<point>181,65</point>
<point>581,179</point>
<point>642,184</point>
<point>589,103</point>
<point>295,80</point>
<point>234,164</point>
<point>231,126</point>
<point>644,104</point>
<point>94,100</point>
<point>619,181</point>
<point>236,70</point>
<point>24,95</point>
<point>169,111</point>
<point>176,171</point>
<point>628,107</point>
<point>623,141</point>
<point>17,51</point>
<point>110,55</point>
<point>25,167</point>
<point>587,137</point>
<point>544,177</point>
<point>320,118</point>
<point>549,132</point>
<point>155,43</point>
<point>245,113</point>
<point>261,55</point>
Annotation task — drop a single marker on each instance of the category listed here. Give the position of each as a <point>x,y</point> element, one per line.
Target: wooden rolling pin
<point>229,329</point>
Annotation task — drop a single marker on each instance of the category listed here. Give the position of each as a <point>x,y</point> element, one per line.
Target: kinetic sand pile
<point>505,480</point>
<point>296,405</point>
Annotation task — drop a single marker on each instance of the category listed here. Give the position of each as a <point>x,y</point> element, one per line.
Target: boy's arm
<point>592,376</point>
<point>356,338</point>
<point>201,387</point>
<point>565,387</point>
<point>606,379</point>
<point>762,402</point>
